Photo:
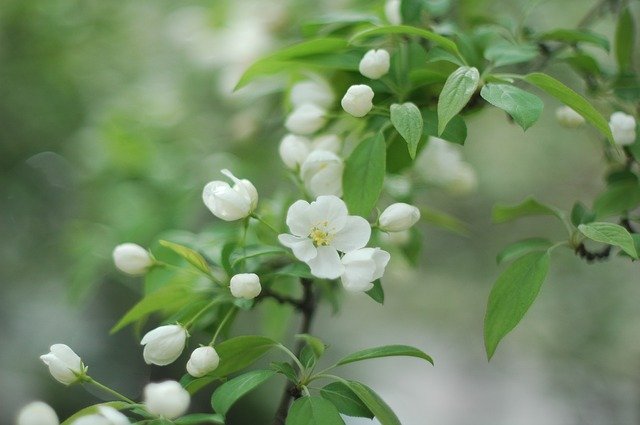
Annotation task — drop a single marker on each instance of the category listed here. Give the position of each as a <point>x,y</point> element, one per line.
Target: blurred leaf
<point>193,257</point>
<point>454,132</point>
<point>295,270</point>
<point>345,400</point>
<point>384,351</point>
<point>530,206</point>
<point>625,36</point>
<point>512,295</point>
<point>505,53</point>
<point>407,120</point>
<point>574,36</point>
<point>313,411</point>
<point>374,403</point>
<point>581,215</point>
<point>525,108</point>
<point>89,410</point>
<point>227,394</point>
<point>611,234</point>
<point>583,63</point>
<point>444,220</point>
<point>365,164</point>
<point>315,343</point>
<point>438,54</point>
<point>627,86</point>
<point>200,418</point>
<point>329,23</point>
<point>251,251</point>
<point>456,93</point>
<point>376,293</point>
<point>443,42</point>
<point>518,249</point>
<point>617,198</point>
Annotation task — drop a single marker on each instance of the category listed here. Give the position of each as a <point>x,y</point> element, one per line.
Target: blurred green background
<point>114,114</point>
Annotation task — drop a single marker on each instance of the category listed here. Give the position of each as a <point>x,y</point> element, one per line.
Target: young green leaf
<point>454,132</point>
<point>443,42</point>
<point>377,405</point>
<point>512,295</point>
<point>581,215</point>
<point>525,108</point>
<point>364,175</point>
<point>518,249</point>
<point>611,234</point>
<point>457,91</point>
<point>285,369</point>
<point>227,394</point>
<point>345,400</point>
<point>251,251</point>
<point>619,197</point>
<point>313,411</point>
<point>530,206</point>
<point>193,257</point>
<point>315,343</point>
<point>200,418</point>
<point>406,118</point>
<point>384,351</point>
<point>376,293</point>
<point>574,36</point>
<point>506,53</point>
<point>570,98</point>
<point>444,220</point>
<point>625,36</point>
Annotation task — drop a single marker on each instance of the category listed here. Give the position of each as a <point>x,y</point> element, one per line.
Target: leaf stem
<point>261,220</point>
<point>222,324</point>
<point>200,313</point>
<point>90,380</point>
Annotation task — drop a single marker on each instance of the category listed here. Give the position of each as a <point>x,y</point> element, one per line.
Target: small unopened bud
<point>166,399</point>
<point>392,12</point>
<point>399,216</point>
<point>623,128</point>
<point>306,119</point>
<point>230,203</point>
<point>106,416</point>
<point>327,142</point>
<point>64,364</point>
<point>294,150</point>
<point>132,259</point>
<point>313,91</point>
<point>37,413</point>
<point>245,285</point>
<point>569,118</point>
<point>375,64</point>
<point>358,100</point>
<point>203,360</point>
<point>164,344</point>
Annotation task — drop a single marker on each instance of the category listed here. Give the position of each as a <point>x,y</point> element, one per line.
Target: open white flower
<point>321,173</point>
<point>441,164</point>
<point>362,267</point>
<point>202,361</point>
<point>623,128</point>
<point>166,399</point>
<point>375,64</point>
<point>315,91</point>
<point>106,416</point>
<point>306,119</point>
<point>358,100</point>
<point>37,413</point>
<point>132,259</point>
<point>319,230</point>
<point>64,364</point>
<point>164,344</point>
<point>230,203</point>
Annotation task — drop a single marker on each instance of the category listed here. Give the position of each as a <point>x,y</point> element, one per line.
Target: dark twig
<point>582,252</point>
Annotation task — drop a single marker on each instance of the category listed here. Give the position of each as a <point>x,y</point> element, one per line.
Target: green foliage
<point>530,206</point>
<point>441,41</point>
<point>374,403</point>
<point>364,175</point>
<point>193,257</point>
<point>315,343</point>
<point>89,410</point>
<point>625,37</point>
<point>384,351</point>
<point>619,197</point>
<point>227,394</point>
<point>525,108</point>
<point>377,292</point>
<point>518,249</point>
<point>611,234</point>
<point>506,53</point>
<point>313,411</point>
<point>575,36</point>
<point>200,418</point>
<point>457,91</point>
<point>345,400</point>
<point>406,118</point>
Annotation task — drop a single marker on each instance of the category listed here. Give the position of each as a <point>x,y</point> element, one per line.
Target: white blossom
<point>314,91</point>
<point>362,267</point>
<point>441,164</point>
<point>64,364</point>
<point>399,216</point>
<point>230,203</point>
<point>203,360</point>
<point>37,413</point>
<point>106,416</point>
<point>164,344</point>
<point>392,12</point>
<point>319,230</point>
<point>166,399</point>
<point>569,118</point>
<point>245,285</point>
<point>623,128</point>
<point>306,119</point>
<point>327,142</point>
<point>464,181</point>
<point>294,150</point>
<point>132,259</point>
<point>358,100</point>
<point>375,63</point>
<point>321,173</point>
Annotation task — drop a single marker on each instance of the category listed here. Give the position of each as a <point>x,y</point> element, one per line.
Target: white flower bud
<point>314,91</point>
<point>245,285</point>
<point>164,344</point>
<point>321,173</point>
<point>294,150</point>
<point>327,142</point>
<point>306,119</point>
<point>37,413</point>
<point>375,64</point>
<point>397,238</point>
<point>569,118</point>
<point>106,416</point>
<point>166,399</point>
<point>464,181</point>
<point>202,361</point>
<point>357,101</point>
<point>64,364</point>
<point>392,12</point>
<point>398,186</point>
<point>132,259</point>
<point>362,267</point>
<point>230,203</point>
<point>398,217</point>
<point>623,128</point>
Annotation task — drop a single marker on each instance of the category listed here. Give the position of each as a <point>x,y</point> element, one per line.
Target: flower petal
<point>330,210</point>
<point>298,218</point>
<point>302,248</point>
<point>354,235</point>
<point>326,264</point>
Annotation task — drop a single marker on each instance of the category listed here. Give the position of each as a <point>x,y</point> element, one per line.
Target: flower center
<point>320,237</point>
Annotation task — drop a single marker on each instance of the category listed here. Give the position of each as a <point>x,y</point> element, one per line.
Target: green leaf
<point>457,91</point>
<point>444,220</point>
<point>89,410</point>
<point>285,369</point>
<point>406,118</point>
<point>530,206</point>
<point>525,108</point>
<point>193,257</point>
<point>518,249</point>
<point>625,36</point>
<point>443,42</point>
<point>227,394</point>
<point>315,343</point>
<point>313,411</point>
<point>251,251</point>
<point>506,53</point>
<point>581,215</point>
<point>454,132</point>
<point>364,175</point>
<point>574,36</point>
<point>345,400</point>
<point>384,351</point>
<point>200,418</point>
<point>619,197</point>
<point>376,293</point>
<point>611,234</point>
<point>235,354</point>
<point>570,98</point>
<point>512,295</point>
<point>295,270</point>
<point>378,407</point>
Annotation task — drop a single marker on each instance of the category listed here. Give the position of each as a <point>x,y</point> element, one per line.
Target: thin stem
<point>224,322</point>
<point>293,356</point>
<point>200,313</point>
<point>104,388</point>
<point>261,220</point>
<point>327,376</point>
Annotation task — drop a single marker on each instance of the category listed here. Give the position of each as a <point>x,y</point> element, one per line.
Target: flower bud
<point>623,128</point>
<point>164,344</point>
<point>202,361</point>
<point>316,92</point>
<point>132,259</point>
<point>245,285</point>
<point>401,238</point>
<point>464,181</point>
<point>357,101</point>
<point>64,364</point>
<point>569,118</point>
<point>37,413</point>
<point>294,150</point>
<point>166,399</point>
<point>375,64</point>
<point>327,142</point>
<point>398,217</point>
<point>321,173</point>
<point>362,267</point>
<point>230,203</point>
<point>392,12</point>
<point>306,119</point>
<point>106,416</point>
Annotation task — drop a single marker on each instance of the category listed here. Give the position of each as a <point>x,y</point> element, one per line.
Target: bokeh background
<point>114,114</point>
